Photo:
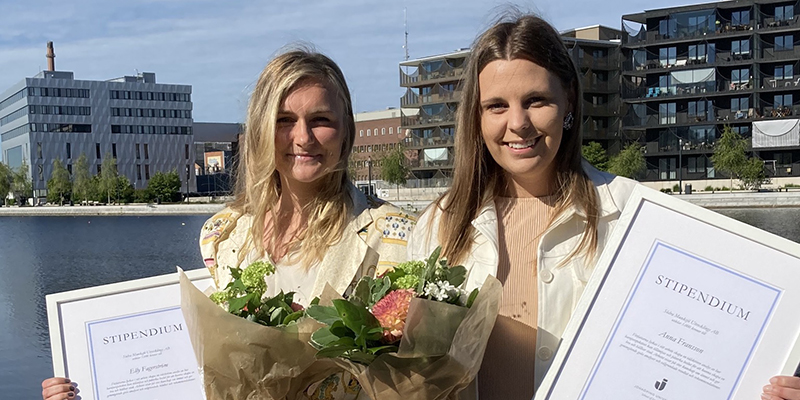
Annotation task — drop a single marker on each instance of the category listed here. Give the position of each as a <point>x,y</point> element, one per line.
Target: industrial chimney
<point>51,57</point>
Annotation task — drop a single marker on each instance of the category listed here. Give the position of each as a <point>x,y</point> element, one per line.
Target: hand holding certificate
<point>685,303</point>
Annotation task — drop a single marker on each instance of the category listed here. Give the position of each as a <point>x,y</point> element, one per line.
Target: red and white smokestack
<point>51,57</point>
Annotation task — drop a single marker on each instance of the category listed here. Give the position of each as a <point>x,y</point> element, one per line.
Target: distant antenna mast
<point>405,25</point>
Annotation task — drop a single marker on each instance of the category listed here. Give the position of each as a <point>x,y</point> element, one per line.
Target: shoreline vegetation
<point>718,200</point>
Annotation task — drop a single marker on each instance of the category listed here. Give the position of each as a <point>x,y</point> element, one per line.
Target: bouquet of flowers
<point>410,333</point>
<point>249,346</point>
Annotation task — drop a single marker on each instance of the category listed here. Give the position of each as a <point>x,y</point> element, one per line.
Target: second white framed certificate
<point>684,303</point>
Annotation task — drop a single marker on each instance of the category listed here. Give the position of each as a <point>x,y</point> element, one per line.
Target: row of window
<point>74,128</point>
<point>13,99</point>
<point>16,132</point>
<point>376,147</point>
<point>98,151</point>
<point>383,131</point>
<point>60,110</point>
<point>157,96</point>
<point>14,116</point>
<point>667,111</point>
<point>149,112</point>
<point>151,129</point>
<point>58,92</point>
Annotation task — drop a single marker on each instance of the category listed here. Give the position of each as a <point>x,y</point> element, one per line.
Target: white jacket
<point>560,288</point>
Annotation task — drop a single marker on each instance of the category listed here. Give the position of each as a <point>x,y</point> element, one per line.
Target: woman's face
<point>523,106</point>
<point>308,135</point>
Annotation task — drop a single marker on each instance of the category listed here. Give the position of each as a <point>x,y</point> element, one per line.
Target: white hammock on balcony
<point>776,133</point>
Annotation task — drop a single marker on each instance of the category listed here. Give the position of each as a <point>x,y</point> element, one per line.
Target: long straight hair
<point>477,178</point>
<point>258,184</point>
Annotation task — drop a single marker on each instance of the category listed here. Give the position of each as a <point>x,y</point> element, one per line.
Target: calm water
<point>43,255</point>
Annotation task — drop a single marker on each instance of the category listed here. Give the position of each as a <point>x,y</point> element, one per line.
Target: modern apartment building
<point>689,71</point>
<point>146,126</point>
<point>428,113</point>
<point>377,133</point>
<point>595,50</point>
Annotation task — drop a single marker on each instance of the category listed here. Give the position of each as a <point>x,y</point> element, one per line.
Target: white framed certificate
<point>126,340</point>
<point>684,303</point>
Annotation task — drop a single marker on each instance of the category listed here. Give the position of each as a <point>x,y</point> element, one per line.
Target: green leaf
<point>236,273</point>
<point>430,269</point>
<point>326,315</point>
<point>361,294</point>
<point>323,337</point>
<point>472,296</point>
<point>277,316</point>
<point>315,301</point>
<point>354,317</point>
<point>378,290</point>
<point>382,349</point>
<point>236,305</point>
<point>456,275</point>
<point>361,357</point>
<point>338,329</point>
<point>293,317</point>
<point>334,351</point>
<point>375,334</point>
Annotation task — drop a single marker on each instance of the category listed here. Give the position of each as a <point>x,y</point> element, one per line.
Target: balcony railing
<point>770,54</point>
<point>437,94</point>
<point>600,110</point>
<point>422,75</point>
<point>446,116</point>
<point>434,141</point>
<point>771,24</point>
<point>431,163</point>
<point>769,82</point>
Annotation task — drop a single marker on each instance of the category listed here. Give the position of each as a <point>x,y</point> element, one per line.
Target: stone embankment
<point>707,200</point>
<point>130,209</point>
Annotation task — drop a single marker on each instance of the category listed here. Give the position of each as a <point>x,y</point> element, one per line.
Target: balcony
<point>599,110</point>
<point>770,24</point>
<point>431,163</point>
<point>437,94</point>
<point>434,141</point>
<point>421,76</point>
<point>770,54</point>
<point>596,62</point>
<point>770,82</point>
<point>422,119</point>
<point>593,86</point>
<point>656,92</point>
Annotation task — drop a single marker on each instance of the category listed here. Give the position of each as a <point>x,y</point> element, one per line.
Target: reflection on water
<point>43,255</point>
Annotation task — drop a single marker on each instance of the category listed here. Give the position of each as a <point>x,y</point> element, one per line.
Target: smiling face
<point>308,135</point>
<point>523,106</point>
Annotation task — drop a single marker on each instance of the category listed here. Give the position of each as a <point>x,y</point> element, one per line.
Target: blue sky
<point>219,47</point>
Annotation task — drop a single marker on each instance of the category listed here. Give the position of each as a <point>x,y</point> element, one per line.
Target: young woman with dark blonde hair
<point>295,206</point>
<point>524,206</point>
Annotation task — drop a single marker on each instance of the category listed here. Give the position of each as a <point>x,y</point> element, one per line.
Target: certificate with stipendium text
<point>126,340</point>
<point>684,303</point>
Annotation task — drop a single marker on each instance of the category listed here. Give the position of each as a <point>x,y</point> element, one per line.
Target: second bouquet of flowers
<point>410,333</point>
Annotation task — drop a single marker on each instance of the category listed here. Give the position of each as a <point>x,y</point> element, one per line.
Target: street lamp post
<point>369,175</point>
<point>680,165</point>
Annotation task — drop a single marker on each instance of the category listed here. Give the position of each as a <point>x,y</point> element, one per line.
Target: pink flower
<point>391,312</point>
<point>296,307</point>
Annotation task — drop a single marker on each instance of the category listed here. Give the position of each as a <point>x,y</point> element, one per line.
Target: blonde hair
<point>477,178</point>
<point>258,185</point>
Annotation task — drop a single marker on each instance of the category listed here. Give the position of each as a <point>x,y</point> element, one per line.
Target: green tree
<point>59,187</point>
<point>21,184</point>
<point>629,162</point>
<point>752,174</point>
<point>596,155</point>
<point>83,186</point>
<point>165,186</point>
<point>108,178</point>
<point>124,189</point>
<point>5,182</point>
<point>730,154</point>
<point>394,168</point>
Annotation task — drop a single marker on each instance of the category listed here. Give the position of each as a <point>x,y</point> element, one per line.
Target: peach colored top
<point>507,369</point>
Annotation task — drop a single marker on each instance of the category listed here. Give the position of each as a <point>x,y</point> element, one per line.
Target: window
<point>697,164</point>
<point>782,100</point>
<point>39,150</point>
<point>740,75</point>
<point>146,151</point>
<point>784,71</point>
<point>138,172</point>
<point>784,13</point>
<point>783,159</point>
<point>383,131</point>
<point>97,150</point>
<point>147,172</point>
<point>361,133</point>
<point>666,168</point>
<point>697,52</point>
<point>69,151</point>
<point>667,56</point>
<point>740,46</point>
<point>666,113</point>
<point>740,17</point>
<point>391,130</point>
<point>700,109</point>
<point>784,42</point>
<point>186,151</point>
<point>740,104</point>
<point>399,131</point>
<point>599,53</point>
<point>138,155</point>
<point>369,132</point>
<point>40,172</point>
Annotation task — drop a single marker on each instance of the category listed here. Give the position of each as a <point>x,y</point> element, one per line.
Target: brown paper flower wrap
<point>240,359</point>
<point>439,354</point>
